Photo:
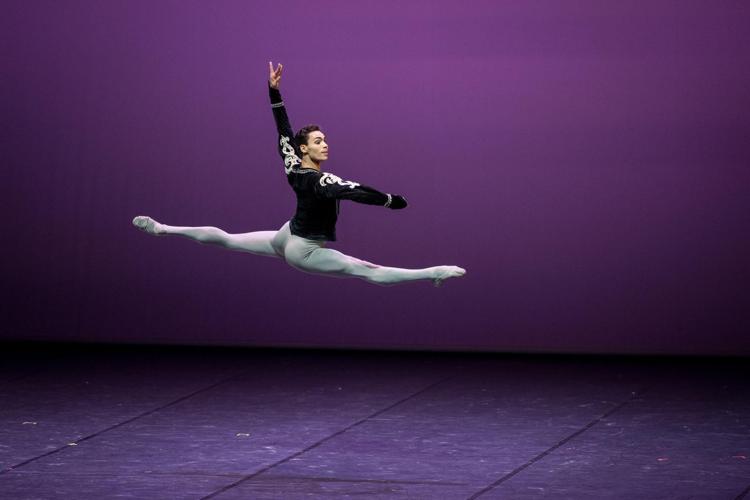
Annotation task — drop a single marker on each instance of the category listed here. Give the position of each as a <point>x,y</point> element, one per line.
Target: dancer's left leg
<point>312,257</point>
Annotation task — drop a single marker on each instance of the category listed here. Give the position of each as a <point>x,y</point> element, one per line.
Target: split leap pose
<point>302,240</point>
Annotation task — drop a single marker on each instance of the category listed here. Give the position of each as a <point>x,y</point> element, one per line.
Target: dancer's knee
<point>378,276</point>
<point>214,235</point>
<point>367,271</point>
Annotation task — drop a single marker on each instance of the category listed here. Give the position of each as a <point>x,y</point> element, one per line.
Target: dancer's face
<point>316,146</point>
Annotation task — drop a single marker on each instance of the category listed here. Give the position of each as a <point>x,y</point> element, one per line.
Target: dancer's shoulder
<point>303,178</point>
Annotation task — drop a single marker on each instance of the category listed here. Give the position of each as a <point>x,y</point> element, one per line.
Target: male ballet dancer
<point>302,240</point>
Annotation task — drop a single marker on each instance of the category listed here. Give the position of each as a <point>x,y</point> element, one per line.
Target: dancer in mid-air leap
<point>302,240</point>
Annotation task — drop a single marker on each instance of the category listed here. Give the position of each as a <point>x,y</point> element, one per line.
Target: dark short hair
<point>301,137</point>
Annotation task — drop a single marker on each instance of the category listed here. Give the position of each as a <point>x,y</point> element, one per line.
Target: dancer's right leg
<point>258,242</point>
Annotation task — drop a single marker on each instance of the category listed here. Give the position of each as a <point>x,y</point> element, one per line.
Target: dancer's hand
<point>397,202</point>
<point>274,76</point>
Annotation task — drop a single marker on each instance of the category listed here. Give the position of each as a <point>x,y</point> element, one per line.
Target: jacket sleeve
<point>330,186</point>
<point>287,148</point>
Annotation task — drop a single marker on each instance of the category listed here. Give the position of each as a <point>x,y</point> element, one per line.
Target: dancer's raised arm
<point>287,148</point>
<point>301,241</point>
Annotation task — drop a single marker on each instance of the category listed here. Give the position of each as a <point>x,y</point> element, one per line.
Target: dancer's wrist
<point>396,202</point>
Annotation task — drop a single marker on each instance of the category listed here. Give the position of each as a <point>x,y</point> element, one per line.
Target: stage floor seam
<point>120,424</point>
<point>559,444</point>
<point>250,477</point>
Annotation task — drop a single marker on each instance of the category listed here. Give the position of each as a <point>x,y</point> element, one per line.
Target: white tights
<point>309,256</point>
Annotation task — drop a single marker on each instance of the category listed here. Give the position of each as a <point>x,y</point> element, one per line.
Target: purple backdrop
<point>585,161</point>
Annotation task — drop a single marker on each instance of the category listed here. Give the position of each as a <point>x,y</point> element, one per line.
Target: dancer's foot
<point>445,272</point>
<point>145,223</point>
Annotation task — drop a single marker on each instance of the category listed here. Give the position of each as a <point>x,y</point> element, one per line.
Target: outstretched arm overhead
<point>329,186</point>
<point>287,148</point>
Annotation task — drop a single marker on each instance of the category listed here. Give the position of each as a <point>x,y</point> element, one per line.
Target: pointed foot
<point>445,272</point>
<point>149,225</point>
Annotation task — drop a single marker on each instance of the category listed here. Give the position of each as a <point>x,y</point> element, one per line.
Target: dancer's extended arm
<point>287,148</point>
<point>331,186</point>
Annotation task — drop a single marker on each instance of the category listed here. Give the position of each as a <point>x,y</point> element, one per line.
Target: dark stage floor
<point>99,422</point>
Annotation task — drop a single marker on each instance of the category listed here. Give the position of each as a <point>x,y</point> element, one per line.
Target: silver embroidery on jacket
<point>333,179</point>
<point>290,156</point>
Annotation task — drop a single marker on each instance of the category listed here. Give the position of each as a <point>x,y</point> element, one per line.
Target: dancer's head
<point>312,143</point>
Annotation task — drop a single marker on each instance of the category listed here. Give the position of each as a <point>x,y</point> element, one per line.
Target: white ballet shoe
<point>445,272</point>
<point>147,224</point>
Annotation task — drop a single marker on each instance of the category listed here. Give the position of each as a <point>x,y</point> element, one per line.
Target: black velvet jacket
<point>318,193</point>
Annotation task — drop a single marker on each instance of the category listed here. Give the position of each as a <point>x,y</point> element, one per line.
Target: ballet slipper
<point>445,272</point>
<point>147,224</point>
